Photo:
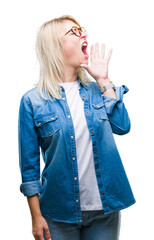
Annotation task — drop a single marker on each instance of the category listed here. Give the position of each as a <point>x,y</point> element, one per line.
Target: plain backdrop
<point>125,26</point>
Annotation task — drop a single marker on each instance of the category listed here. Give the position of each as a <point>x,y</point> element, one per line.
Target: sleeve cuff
<point>30,188</point>
<point>111,102</point>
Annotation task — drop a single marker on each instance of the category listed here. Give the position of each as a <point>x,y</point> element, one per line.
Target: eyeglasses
<point>77,31</point>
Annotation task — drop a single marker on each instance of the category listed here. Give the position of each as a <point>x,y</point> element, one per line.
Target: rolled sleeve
<point>30,188</point>
<point>29,151</point>
<point>111,102</point>
<point>117,112</point>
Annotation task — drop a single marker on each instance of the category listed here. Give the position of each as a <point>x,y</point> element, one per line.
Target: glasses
<point>77,31</point>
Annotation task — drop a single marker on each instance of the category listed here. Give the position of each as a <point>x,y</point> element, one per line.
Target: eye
<point>80,31</point>
<point>75,30</point>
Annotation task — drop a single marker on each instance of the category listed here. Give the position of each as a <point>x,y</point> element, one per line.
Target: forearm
<point>39,224</point>
<point>34,206</point>
<point>117,112</point>
<point>109,92</point>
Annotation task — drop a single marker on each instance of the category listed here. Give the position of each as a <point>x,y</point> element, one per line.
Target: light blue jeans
<point>95,226</point>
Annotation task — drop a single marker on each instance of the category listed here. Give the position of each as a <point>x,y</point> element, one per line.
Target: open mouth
<point>84,49</point>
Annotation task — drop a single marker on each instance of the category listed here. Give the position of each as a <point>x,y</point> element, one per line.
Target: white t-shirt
<point>89,192</point>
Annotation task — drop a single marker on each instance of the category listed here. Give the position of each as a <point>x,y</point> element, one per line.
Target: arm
<point>98,69</point>
<point>39,224</point>
<point>29,162</point>
<point>29,153</point>
<point>117,113</point>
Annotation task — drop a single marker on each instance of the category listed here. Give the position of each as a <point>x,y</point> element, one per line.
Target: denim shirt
<point>46,126</point>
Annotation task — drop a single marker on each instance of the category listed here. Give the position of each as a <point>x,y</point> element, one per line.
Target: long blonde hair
<point>49,54</point>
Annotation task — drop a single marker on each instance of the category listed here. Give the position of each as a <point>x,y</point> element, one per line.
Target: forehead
<point>67,25</point>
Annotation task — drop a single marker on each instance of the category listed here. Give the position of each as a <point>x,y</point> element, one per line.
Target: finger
<point>96,50</point>
<point>38,236</point>
<point>42,238</point>
<point>103,50</point>
<point>109,55</point>
<point>91,53</point>
<point>47,233</point>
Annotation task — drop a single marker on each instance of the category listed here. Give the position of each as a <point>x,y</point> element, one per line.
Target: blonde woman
<point>71,119</point>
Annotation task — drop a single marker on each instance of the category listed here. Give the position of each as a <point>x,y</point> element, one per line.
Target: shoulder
<point>31,97</point>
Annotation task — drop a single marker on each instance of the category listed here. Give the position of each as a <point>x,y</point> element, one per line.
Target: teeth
<point>84,44</point>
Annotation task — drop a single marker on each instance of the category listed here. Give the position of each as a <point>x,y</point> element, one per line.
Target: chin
<point>85,61</point>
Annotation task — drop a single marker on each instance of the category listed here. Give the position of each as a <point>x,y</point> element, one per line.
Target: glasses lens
<point>75,30</point>
<point>78,31</point>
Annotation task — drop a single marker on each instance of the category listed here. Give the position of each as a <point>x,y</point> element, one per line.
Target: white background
<point>125,26</point>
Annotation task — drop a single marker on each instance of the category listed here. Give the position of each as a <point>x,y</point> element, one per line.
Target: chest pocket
<point>100,110</point>
<point>47,125</point>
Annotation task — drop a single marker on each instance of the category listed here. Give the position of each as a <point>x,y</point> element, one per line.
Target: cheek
<point>71,50</point>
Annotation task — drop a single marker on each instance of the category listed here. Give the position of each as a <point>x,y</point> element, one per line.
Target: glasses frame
<point>82,29</point>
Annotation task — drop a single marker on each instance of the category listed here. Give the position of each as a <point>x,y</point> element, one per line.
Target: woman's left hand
<point>98,68</point>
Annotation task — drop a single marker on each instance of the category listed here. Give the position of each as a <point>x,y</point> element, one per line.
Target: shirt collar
<point>80,82</point>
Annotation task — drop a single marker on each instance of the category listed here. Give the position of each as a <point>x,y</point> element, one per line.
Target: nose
<point>84,34</point>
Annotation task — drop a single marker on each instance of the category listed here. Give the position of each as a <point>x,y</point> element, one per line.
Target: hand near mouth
<point>98,68</point>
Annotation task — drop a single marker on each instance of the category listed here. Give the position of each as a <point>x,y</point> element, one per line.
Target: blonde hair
<point>49,53</point>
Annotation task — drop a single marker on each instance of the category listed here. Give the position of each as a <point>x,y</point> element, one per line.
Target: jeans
<point>95,226</point>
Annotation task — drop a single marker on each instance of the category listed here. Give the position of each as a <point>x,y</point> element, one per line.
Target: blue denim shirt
<point>47,126</point>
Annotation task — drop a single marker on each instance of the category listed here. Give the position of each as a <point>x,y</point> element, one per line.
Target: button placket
<point>76,191</point>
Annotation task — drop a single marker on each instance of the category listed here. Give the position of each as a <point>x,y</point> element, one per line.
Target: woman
<point>72,119</point>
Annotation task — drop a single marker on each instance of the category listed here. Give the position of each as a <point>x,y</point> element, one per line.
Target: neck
<point>69,75</point>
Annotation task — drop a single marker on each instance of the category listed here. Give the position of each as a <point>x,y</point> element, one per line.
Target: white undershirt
<point>89,192</point>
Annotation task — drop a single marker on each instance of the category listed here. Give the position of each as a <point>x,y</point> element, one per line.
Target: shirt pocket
<point>100,110</point>
<point>47,125</point>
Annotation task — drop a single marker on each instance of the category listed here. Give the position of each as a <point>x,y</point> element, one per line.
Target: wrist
<point>36,215</point>
<point>103,82</point>
<point>108,86</point>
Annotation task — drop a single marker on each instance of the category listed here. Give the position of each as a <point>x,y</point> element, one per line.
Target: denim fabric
<point>95,226</point>
<point>47,126</point>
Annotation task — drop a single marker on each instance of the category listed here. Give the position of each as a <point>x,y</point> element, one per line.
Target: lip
<point>86,55</point>
<point>83,43</point>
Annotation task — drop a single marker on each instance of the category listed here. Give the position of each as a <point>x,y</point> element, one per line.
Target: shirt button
<point>77,200</point>
<point>92,131</point>
<point>95,151</point>
<point>103,193</point>
<point>98,171</point>
<point>87,112</point>
<point>68,116</point>
<point>75,178</point>
<point>72,137</point>
<point>73,158</point>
